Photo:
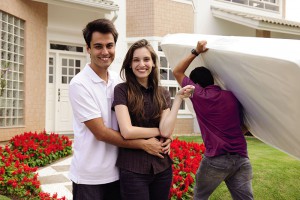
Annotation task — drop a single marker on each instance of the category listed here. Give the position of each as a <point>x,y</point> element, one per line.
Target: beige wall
<point>158,18</point>
<point>184,126</point>
<point>35,16</point>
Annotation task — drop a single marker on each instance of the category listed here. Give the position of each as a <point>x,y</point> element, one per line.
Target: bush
<point>186,157</point>
<point>19,160</point>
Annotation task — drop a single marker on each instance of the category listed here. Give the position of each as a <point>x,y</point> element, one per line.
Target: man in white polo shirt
<point>96,137</point>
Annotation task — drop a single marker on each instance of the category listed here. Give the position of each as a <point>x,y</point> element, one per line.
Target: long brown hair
<point>135,96</point>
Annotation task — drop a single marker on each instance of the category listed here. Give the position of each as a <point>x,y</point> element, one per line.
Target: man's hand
<point>166,143</point>
<point>154,147</point>
<point>201,46</point>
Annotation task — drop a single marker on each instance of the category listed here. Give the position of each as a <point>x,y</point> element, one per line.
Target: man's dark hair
<point>99,25</point>
<point>202,76</point>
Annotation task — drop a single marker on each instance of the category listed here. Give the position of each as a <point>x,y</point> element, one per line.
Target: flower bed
<point>25,152</point>
<point>19,161</point>
<point>186,157</point>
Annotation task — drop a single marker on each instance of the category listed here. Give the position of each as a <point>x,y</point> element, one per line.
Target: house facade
<point>42,48</point>
<point>250,18</point>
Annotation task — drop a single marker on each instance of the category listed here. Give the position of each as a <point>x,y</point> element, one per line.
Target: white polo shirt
<point>94,161</point>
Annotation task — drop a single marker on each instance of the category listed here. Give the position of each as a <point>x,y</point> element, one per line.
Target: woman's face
<point>142,65</point>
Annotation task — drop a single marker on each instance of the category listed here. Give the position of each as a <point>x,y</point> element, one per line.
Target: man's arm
<point>102,133</point>
<point>81,99</point>
<point>179,70</point>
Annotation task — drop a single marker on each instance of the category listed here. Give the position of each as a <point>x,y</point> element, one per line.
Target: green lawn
<point>276,175</point>
<point>4,198</point>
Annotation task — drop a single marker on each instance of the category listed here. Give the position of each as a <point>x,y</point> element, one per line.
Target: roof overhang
<point>257,22</point>
<point>91,5</point>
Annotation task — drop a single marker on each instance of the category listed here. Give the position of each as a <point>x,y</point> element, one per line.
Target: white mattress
<point>263,73</point>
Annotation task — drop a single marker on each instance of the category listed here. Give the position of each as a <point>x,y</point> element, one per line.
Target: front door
<point>62,68</point>
<point>69,66</point>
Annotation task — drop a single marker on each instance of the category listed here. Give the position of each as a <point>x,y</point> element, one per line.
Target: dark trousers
<point>235,170</point>
<point>109,191</point>
<point>136,186</point>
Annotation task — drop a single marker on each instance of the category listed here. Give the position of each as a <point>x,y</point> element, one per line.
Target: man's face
<point>102,50</point>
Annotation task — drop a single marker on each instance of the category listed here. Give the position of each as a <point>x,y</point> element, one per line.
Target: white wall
<point>120,24</point>
<point>66,24</point>
<point>205,23</point>
<point>292,8</point>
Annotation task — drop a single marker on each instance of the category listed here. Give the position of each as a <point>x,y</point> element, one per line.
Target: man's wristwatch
<point>195,52</point>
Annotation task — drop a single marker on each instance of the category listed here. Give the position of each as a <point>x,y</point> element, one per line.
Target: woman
<point>143,111</point>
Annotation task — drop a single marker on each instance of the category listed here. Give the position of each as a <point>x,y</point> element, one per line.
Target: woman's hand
<point>186,91</point>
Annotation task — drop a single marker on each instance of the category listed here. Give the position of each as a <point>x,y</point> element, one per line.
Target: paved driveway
<point>54,178</point>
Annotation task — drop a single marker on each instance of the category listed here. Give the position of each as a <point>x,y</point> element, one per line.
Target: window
<point>159,47</point>
<point>12,71</point>
<point>168,80</point>
<point>173,90</point>
<point>63,47</point>
<point>165,70</point>
<point>69,68</point>
<point>272,5</point>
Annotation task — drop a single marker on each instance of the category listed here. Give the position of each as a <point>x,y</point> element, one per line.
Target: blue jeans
<point>235,170</point>
<point>136,186</point>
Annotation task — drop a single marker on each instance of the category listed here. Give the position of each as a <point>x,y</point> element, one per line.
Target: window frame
<point>12,68</point>
<point>171,83</point>
<point>266,5</point>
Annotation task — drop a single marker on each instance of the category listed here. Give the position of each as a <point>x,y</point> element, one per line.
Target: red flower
<point>186,157</point>
<point>19,161</point>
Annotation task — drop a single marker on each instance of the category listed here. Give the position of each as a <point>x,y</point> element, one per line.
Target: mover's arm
<point>181,67</point>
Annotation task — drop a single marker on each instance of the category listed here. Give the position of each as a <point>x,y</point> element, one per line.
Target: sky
<point>293,10</point>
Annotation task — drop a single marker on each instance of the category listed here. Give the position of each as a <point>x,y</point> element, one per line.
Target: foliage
<point>186,157</point>
<point>20,158</point>
<point>41,149</point>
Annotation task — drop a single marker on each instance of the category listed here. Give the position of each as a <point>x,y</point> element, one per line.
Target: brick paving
<point>54,178</point>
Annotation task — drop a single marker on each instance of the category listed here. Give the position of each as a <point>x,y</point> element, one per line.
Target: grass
<point>276,175</point>
<point>4,197</point>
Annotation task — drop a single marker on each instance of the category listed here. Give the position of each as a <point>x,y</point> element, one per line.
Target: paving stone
<point>69,187</point>
<point>53,179</point>
<point>61,168</point>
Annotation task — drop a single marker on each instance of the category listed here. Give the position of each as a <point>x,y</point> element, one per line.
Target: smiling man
<point>93,169</point>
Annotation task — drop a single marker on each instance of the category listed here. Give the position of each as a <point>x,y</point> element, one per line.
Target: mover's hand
<point>201,46</point>
<point>154,147</point>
